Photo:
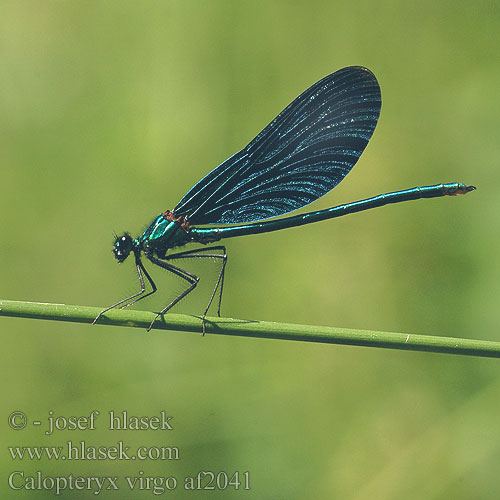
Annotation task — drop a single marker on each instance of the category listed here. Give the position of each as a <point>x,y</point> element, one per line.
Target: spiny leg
<point>192,279</point>
<point>153,286</point>
<point>140,269</point>
<point>197,253</point>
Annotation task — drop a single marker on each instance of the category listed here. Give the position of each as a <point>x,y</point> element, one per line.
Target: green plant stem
<point>253,328</point>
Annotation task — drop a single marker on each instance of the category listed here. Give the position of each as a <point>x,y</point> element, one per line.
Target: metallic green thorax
<point>163,233</point>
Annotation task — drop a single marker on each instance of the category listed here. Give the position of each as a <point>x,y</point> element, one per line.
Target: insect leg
<point>200,253</point>
<point>153,287</point>
<point>136,296</point>
<point>192,279</point>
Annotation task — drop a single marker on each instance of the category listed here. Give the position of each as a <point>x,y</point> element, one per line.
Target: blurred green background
<point>111,111</point>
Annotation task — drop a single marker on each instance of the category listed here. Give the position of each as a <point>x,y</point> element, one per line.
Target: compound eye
<point>122,247</point>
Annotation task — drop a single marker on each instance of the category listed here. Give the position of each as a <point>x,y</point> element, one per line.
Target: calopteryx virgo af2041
<point>300,156</point>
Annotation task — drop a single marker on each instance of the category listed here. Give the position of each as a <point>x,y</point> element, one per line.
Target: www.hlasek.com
<point>83,451</point>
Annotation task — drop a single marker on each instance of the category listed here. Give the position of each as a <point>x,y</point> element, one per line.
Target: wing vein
<point>300,156</point>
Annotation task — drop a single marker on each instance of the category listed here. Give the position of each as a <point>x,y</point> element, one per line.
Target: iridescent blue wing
<point>301,155</point>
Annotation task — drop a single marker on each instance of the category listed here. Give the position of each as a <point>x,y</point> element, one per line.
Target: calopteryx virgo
<point>300,156</point>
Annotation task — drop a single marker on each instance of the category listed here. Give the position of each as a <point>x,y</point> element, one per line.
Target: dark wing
<point>301,155</point>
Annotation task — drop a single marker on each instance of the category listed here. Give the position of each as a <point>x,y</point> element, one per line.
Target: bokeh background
<point>111,111</point>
